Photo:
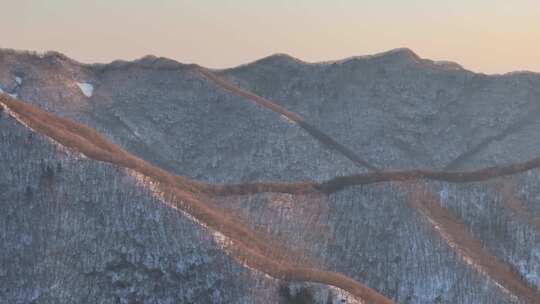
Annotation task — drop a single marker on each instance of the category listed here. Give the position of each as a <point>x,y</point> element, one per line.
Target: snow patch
<point>12,95</point>
<point>287,119</point>
<point>86,88</point>
<point>18,80</point>
<point>443,194</point>
<point>344,296</point>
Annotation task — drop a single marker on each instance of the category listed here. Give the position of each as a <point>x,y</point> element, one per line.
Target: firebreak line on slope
<point>319,135</point>
<point>450,228</point>
<point>341,182</point>
<point>99,143</point>
<point>251,248</point>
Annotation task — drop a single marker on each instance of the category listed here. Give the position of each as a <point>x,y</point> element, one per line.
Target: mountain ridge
<point>156,61</point>
<point>177,119</point>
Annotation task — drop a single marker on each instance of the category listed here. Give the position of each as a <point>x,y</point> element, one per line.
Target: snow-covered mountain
<point>78,229</point>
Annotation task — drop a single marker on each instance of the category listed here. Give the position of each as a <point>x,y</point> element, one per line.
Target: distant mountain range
<point>379,179</point>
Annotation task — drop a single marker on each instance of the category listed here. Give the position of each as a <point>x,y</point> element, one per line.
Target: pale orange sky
<point>493,36</point>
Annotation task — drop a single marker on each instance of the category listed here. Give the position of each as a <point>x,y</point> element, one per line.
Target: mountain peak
<point>399,54</point>
<point>158,62</point>
<point>279,58</point>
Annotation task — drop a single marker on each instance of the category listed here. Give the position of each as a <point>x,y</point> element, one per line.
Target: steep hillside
<point>171,116</point>
<point>317,134</point>
<point>246,245</point>
<point>255,250</point>
<point>78,231</point>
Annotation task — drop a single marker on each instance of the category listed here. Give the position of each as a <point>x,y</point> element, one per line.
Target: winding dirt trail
<point>252,248</point>
<point>342,182</point>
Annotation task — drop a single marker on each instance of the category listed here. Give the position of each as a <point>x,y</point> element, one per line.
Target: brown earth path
<point>342,182</point>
